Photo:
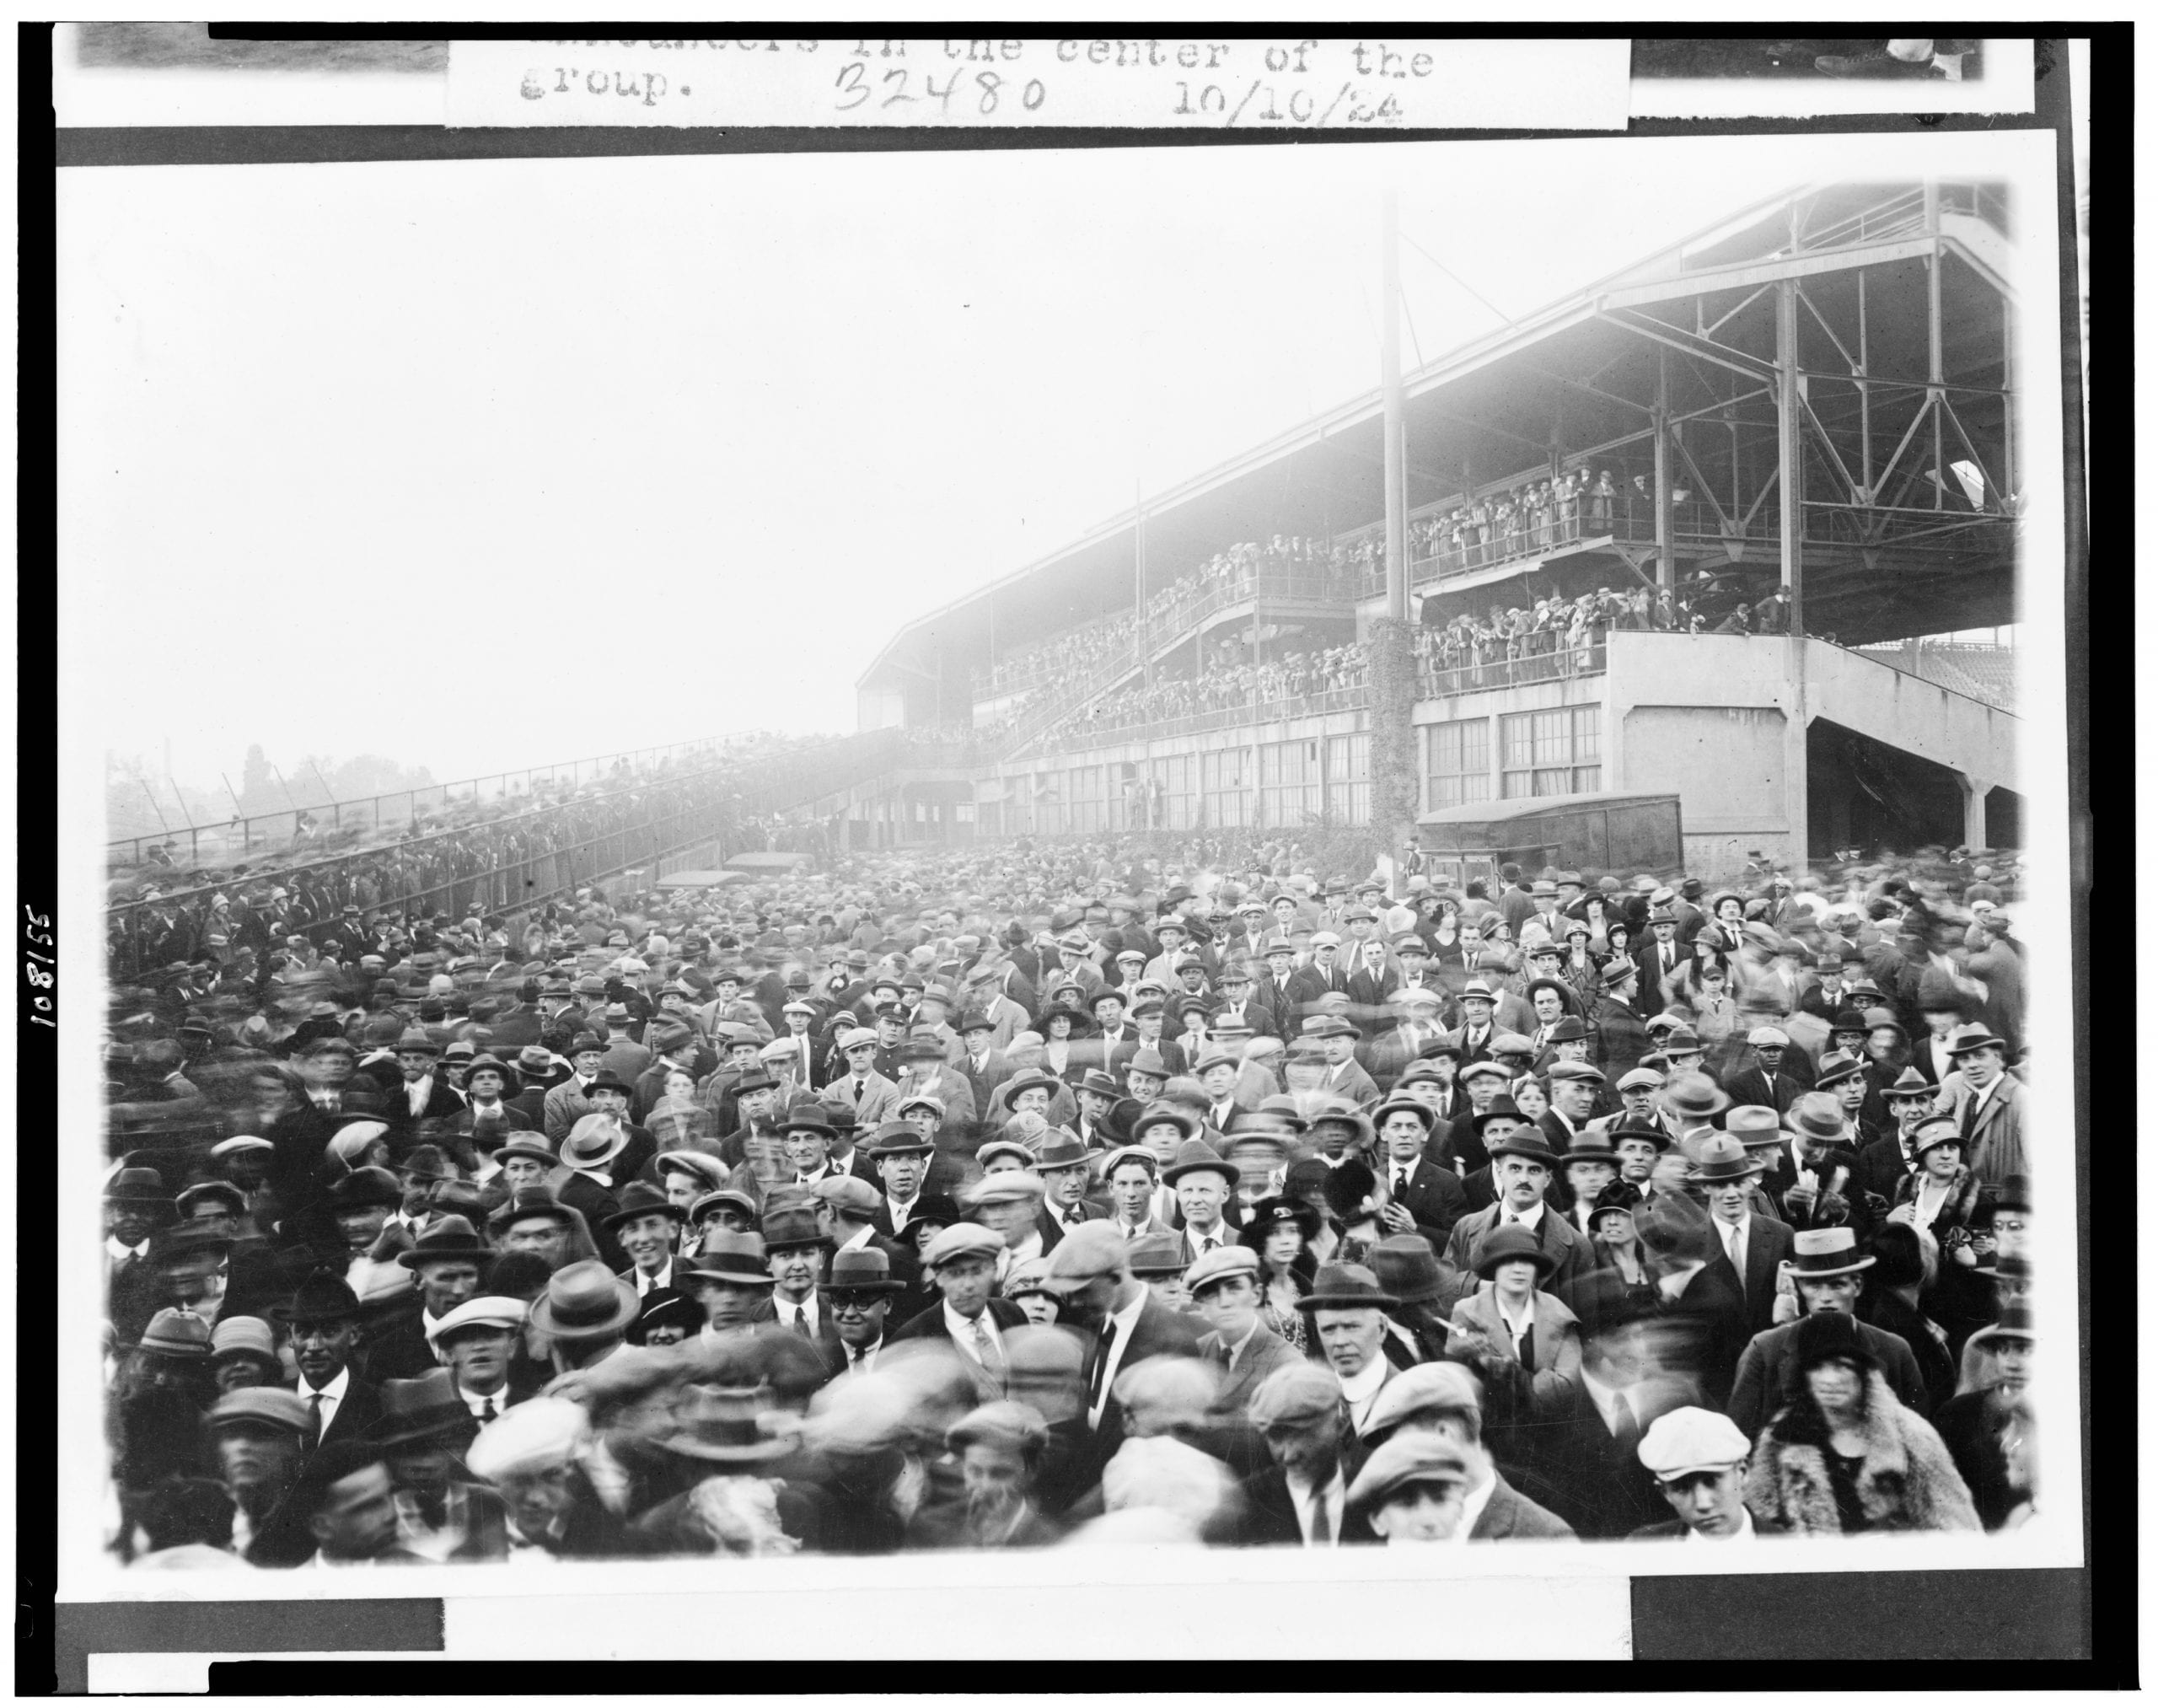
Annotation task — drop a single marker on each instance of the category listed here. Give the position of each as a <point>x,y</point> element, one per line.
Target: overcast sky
<point>490,464</point>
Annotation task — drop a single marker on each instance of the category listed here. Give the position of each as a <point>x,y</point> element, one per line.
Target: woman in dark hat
<point>1524,1342</point>
<point>1621,1285</point>
<point>1280,1230</point>
<point>1845,1455</point>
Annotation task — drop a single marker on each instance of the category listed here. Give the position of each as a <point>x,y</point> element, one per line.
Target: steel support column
<point>1666,568</point>
<point>1790,497</point>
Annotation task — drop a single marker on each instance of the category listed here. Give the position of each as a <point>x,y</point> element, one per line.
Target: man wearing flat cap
<point>1699,1460</point>
<point>1098,1295</point>
<point>1764,1076</point>
<point>961,1262</point>
<point>1301,1499</point>
<point>1223,1287</point>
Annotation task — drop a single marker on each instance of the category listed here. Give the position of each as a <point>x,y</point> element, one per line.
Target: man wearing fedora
<point>585,1314</point>
<point>795,1249</point>
<point>1204,1183</point>
<point>859,1294</point>
<point>902,1156</point>
<point>646,1229</point>
<point>1987,1103</point>
<point>1753,1246</point>
<point>1811,1178</point>
<point>322,1318</point>
<point>1347,1309</point>
<point>729,1276</point>
<point>444,1513</point>
<point>1065,1168</point>
<point>1885,1162</point>
<point>1522,1165</point>
<point>581,1182</point>
<point>1827,1266</point>
<point>446,1261</point>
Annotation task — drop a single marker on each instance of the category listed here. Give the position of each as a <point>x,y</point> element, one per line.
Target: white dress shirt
<point>788,1310</point>
<point>1362,1389</point>
<point>1531,1218</point>
<point>1126,1321</point>
<point>1302,1497</point>
<point>961,1330</point>
<point>1746,1532</point>
<point>332,1392</point>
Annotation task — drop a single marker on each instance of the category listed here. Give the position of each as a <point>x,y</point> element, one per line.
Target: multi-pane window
<point>1289,782</point>
<point>1459,768</point>
<point>1349,778</point>
<point>1223,787</point>
<point>1556,752</point>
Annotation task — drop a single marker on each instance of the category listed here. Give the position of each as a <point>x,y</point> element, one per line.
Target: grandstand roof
<point>1481,412</point>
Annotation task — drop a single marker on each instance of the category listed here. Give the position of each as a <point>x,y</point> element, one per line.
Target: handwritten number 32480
<point>856,90</point>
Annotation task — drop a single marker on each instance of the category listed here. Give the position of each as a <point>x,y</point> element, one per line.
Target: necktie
<point>1401,1183</point>
<point>1321,1530</point>
<point>314,1415</point>
<point>1737,1247</point>
<point>992,1360</point>
<point>487,1412</point>
<point>1101,1364</point>
<point>802,1324</point>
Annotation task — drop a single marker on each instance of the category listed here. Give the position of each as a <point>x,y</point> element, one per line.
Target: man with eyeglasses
<point>859,1294</point>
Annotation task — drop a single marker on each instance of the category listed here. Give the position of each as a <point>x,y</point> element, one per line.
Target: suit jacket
<point>1762,1385</point>
<point>826,1339</point>
<point>593,1202</point>
<point>1269,1519</point>
<point>1436,1199</point>
<point>874,1105</point>
<point>1350,1081</point>
<point>361,1406</point>
<point>1749,1085</point>
<point>995,1071</point>
<point>1767,1245</point>
<point>1509,1514</point>
<point>1518,1393</point>
<point>562,1109</point>
<point>929,1325</point>
<point>442,1102</point>
<point>1994,1149</point>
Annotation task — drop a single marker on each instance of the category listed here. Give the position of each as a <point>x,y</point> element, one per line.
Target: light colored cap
<point>1006,1186</point>
<point>1091,1248</point>
<point>1298,1392</point>
<point>278,1407</point>
<point>856,1035</point>
<point>240,1142</point>
<point>1691,1439</point>
<point>1770,1035</point>
<point>243,1334</point>
<point>1219,1264</point>
<point>961,1240</point>
<point>1440,1386</point>
<point>1404,1461</point>
<point>352,1140</point>
<point>491,1311</point>
<point>538,1435</point>
<point>850,1193</point>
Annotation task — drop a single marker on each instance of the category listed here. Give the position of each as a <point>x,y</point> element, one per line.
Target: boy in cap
<point>1699,1460</point>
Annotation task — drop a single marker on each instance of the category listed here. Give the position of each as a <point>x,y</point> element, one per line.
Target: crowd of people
<point>470,856</point>
<point>1294,676</point>
<point>1047,1194</point>
<point>1491,528</point>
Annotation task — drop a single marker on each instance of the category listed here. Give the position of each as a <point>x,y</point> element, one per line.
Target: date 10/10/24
<point>37,928</point>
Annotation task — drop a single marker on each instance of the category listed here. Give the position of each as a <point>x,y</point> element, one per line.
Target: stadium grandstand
<point>1704,528</point>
